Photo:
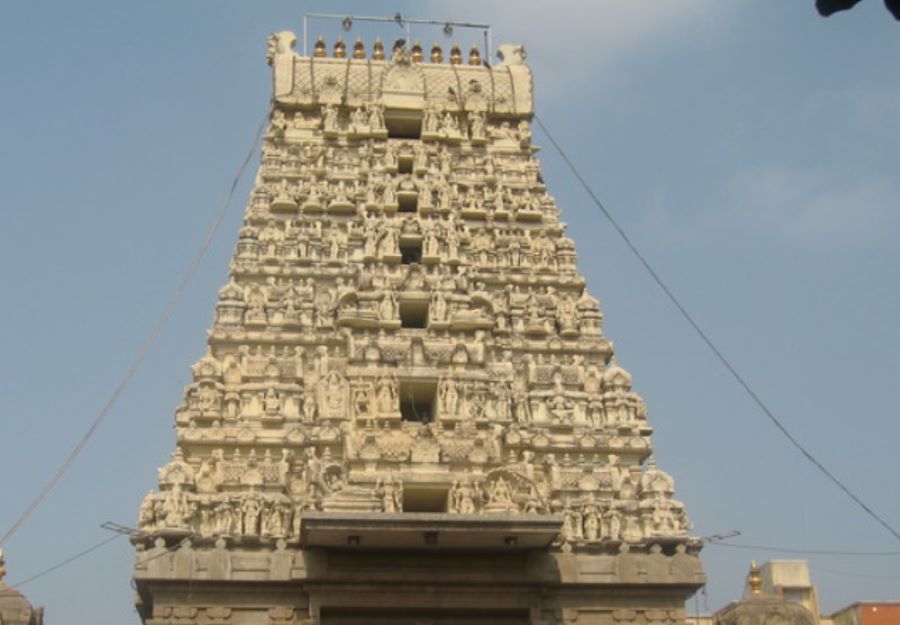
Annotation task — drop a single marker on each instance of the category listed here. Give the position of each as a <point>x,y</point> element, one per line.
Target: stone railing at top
<point>400,80</point>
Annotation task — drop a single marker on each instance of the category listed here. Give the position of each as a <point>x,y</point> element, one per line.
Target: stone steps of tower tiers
<point>363,267</point>
<point>584,443</point>
<point>255,274</point>
<point>199,445</point>
<point>599,350</point>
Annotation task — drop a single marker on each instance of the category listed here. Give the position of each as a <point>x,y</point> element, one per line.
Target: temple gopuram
<point>408,412</point>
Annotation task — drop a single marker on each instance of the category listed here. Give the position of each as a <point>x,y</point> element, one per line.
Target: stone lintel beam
<point>431,531</point>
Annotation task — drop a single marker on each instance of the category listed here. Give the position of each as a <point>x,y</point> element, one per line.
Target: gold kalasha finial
<point>474,55</point>
<point>359,49</point>
<point>340,49</point>
<point>455,55</point>
<point>319,49</point>
<point>437,54</point>
<point>378,50</point>
<point>416,52</point>
<point>754,580</point>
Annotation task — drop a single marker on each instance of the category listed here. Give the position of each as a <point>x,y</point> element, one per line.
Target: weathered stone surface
<point>405,332</point>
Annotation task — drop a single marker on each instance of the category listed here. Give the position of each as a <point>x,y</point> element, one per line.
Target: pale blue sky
<point>749,148</point>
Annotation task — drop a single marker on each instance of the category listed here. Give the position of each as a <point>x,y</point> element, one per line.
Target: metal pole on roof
<point>305,28</point>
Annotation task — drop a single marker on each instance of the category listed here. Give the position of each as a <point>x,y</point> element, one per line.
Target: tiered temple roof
<point>405,332</point>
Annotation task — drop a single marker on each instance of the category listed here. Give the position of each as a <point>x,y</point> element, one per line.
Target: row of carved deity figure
<point>256,514</point>
<point>500,402</point>
<point>381,308</point>
<point>310,475</point>
<point>423,196</point>
<point>372,281</point>
<point>375,162</point>
<point>436,124</point>
<point>392,242</point>
<point>615,520</point>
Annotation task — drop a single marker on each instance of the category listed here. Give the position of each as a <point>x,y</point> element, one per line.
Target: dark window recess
<point>410,253</point>
<point>413,314</point>
<point>411,410</point>
<point>404,164</point>
<point>408,203</point>
<point>402,127</point>
<point>425,500</point>
<point>417,401</point>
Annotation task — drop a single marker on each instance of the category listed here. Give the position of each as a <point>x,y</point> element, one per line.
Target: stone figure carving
<point>390,243</point>
<point>376,118</point>
<point>621,405</point>
<point>280,43</point>
<point>449,125</point>
<point>251,511</point>
<point>387,396</point>
<point>499,494</point>
<point>476,125</point>
<point>430,244</point>
<point>449,397</point>
<point>462,498</point>
<point>176,509</point>
<point>591,520</point>
<point>388,308</point>
<point>330,118</point>
<point>391,494</point>
<point>431,122</point>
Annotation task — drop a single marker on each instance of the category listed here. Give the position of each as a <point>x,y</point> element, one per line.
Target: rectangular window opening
<point>404,165</point>
<point>408,203</point>
<point>417,400</point>
<point>410,253</point>
<point>403,127</point>
<point>413,314</point>
<point>425,499</point>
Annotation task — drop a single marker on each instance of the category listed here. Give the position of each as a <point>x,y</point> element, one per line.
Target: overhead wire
<point>710,344</point>
<point>148,343</point>
<point>813,552</point>
<point>93,548</point>
<point>819,569</point>
<point>68,560</point>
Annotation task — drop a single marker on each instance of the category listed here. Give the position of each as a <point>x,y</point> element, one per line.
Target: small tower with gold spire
<point>763,608</point>
<point>754,581</point>
<point>14,607</point>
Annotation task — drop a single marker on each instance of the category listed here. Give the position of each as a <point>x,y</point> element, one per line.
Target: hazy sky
<point>749,148</point>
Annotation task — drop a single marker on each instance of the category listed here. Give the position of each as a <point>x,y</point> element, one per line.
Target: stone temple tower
<point>407,412</point>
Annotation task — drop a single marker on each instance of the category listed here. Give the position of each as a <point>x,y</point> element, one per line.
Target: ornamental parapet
<point>401,80</point>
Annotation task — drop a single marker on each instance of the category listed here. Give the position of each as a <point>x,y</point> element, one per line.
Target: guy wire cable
<point>68,560</point>
<point>709,343</point>
<point>91,549</point>
<point>812,552</point>
<point>148,344</point>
